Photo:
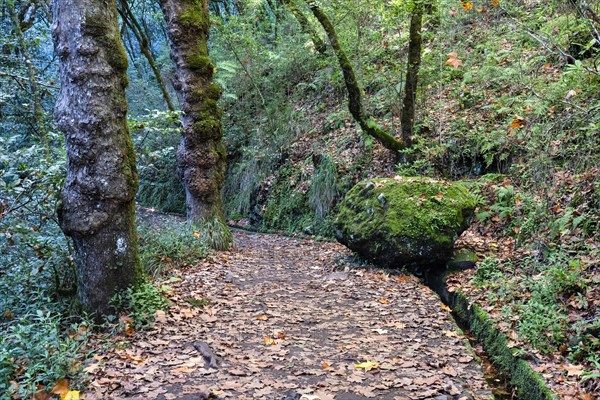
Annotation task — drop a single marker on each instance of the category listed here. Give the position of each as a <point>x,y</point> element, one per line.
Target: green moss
<point>211,92</point>
<point>528,384</point>
<point>200,62</point>
<point>405,216</point>
<point>107,36</point>
<point>117,57</point>
<point>209,128</point>
<point>193,14</point>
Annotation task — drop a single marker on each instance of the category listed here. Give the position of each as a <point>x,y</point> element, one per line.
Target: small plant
<point>199,303</point>
<point>37,350</point>
<point>215,232</point>
<point>543,323</point>
<point>488,270</point>
<point>174,246</point>
<point>323,189</point>
<point>141,303</point>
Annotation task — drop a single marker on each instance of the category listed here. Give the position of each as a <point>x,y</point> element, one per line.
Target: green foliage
<point>156,136</point>
<point>543,312</point>
<point>542,323</point>
<point>488,271</point>
<point>41,328</point>
<point>323,190</point>
<point>37,349</point>
<point>141,303</point>
<point>215,232</point>
<point>164,248</point>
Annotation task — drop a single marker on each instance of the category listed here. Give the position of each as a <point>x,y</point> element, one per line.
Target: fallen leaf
<point>269,341</point>
<point>518,122</point>
<point>71,395</point>
<point>184,369</point>
<point>573,370</point>
<point>380,331</point>
<point>367,365</point>
<point>61,388</point>
<point>448,370</point>
<point>466,5</point>
<point>453,60</point>
<point>383,300</point>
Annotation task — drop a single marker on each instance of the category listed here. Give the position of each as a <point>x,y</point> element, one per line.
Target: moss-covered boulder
<point>404,221</point>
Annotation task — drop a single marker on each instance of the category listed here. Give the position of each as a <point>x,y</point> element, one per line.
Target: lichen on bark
<point>97,200</point>
<point>201,154</point>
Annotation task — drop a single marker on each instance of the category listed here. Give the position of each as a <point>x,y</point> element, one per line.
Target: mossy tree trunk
<point>97,205</point>
<point>407,119</point>
<point>38,112</point>
<point>201,154</point>
<point>306,27</point>
<point>355,103</point>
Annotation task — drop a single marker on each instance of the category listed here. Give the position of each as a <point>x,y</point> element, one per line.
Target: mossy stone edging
<point>529,385</point>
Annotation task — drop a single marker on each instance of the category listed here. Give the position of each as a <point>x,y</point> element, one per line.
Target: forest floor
<point>281,318</point>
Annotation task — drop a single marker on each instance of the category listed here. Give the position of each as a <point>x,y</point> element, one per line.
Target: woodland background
<point>507,100</point>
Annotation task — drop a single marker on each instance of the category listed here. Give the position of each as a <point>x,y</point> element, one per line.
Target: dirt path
<point>282,324</point>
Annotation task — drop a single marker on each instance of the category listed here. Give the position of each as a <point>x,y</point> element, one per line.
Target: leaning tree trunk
<point>201,154</point>
<point>144,43</point>
<point>407,119</point>
<point>355,104</point>
<point>97,207</point>
<point>306,27</point>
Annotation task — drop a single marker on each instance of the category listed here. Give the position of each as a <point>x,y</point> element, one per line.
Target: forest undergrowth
<point>507,101</point>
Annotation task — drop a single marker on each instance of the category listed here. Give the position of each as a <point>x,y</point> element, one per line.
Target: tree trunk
<point>201,154</point>
<point>407,120</point>
<point>38,111</point>
<point>306,27</point>
<point>355,104</point>
<point>144,43</point>
<point>97,205</point>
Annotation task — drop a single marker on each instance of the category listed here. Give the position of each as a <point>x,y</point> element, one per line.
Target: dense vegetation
<point>507,100</point>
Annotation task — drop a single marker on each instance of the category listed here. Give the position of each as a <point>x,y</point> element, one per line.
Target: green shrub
<point>323,189</point>
<point>488,271</point>
<point>156,135</point>
<point>37,349</point>
<point>141,303</point>
<point>173,246</point>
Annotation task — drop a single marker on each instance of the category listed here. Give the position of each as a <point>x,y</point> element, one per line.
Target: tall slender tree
<point>201,154</point>
<point>144,42</point>
<point>412,73</point>
<point>38,112</point>
<point>97,208</point>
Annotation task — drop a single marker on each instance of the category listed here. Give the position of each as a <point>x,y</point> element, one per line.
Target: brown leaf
<point>466,5</point>
<point>269,341</point>
<point>41,394</point>
<point>453,60</point>
<point>61,388</point>
<point>518,123</point>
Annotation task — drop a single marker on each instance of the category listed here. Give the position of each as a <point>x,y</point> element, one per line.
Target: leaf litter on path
<point>281,327</point>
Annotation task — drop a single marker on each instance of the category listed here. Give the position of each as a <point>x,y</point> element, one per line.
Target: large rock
<point>404,221</point>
